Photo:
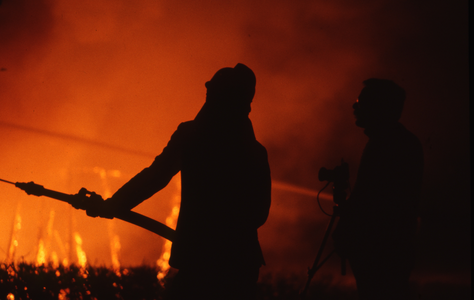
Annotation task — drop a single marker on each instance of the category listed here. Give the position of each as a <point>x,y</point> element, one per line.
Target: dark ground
<point>26,281</point>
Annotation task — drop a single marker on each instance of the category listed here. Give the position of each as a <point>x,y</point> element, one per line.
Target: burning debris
<point>28,281</point>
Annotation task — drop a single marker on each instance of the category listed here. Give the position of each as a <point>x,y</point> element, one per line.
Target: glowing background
<point>96,87</point>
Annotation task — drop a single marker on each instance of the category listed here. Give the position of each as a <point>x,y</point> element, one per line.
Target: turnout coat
<point>225,195</point>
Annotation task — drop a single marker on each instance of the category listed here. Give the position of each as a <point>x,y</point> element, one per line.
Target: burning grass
<point>28,281</point>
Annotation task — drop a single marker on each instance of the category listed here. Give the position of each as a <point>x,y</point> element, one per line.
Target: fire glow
<point>171,220</point>
<point>90,100</point>
<point>104,95</point>
<point>46,255</point>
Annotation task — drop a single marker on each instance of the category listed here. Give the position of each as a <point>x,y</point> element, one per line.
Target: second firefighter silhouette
<point>226,191</point>
<point>377,227</point>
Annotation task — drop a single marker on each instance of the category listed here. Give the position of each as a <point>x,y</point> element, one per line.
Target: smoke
<point>103,84</point>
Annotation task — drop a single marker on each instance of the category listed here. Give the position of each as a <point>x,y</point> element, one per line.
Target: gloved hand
<point>93,204</point>
<point>100,208</point>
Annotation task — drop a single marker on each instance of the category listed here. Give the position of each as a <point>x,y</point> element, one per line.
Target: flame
<point>63,294</point>
<point>14,236</point>
<point>163,261</point>
<point>55,259</point>
<point>44,245</point>
<point>41,256</point>
<point>63,249</point>
<point>45,252</point>
<point>115,250</point>
<point>81,255</point>
<point>115,245</point>
<point>49,233</point>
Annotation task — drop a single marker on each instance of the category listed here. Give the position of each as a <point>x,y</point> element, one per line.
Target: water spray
<point>86,199</point>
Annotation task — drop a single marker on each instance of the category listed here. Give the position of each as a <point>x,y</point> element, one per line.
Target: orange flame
<point>14,237</point>
<point>115,249</point>
<point>63,294</point>
<point>63,249</point>
<point>55,259</point>
<point>44,245</point>
<point>41,256</point>
<point>115,245</point>
<point>163,261</point>
<point>81,255</point>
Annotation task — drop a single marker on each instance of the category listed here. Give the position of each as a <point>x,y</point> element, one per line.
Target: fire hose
<point>85,199</point>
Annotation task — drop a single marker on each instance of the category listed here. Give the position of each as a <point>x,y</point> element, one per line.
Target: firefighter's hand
<point>100,208</point>
<point>92,203</point>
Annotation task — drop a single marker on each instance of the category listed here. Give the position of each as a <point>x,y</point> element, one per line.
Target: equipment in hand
<point>95,206</point>
<point>339,176</point>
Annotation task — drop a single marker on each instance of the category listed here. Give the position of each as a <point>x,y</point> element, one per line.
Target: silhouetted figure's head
<point>380,103</point>
<point>231,90</point>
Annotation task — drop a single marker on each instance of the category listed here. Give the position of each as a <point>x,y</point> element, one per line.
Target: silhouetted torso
<point>225,196</point>
<point>225,192</point>
<point>383,206</point>
<point>377,227</point>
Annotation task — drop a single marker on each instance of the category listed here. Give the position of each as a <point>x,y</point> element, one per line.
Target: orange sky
<point>101,84</point>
